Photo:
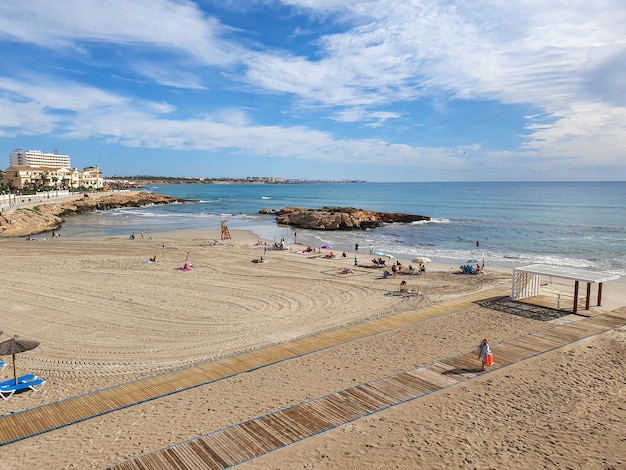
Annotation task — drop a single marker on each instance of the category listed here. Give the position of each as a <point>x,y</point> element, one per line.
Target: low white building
<point>40,177</point>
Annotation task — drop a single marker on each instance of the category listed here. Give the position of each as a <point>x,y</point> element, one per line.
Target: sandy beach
<point>105,315</point>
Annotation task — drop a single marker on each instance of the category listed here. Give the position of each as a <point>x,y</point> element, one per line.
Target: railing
<point>14,201</point>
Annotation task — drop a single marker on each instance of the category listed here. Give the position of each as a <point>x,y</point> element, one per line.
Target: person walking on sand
<point>484,353</point>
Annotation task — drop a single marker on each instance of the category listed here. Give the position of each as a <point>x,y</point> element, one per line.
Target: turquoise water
<point>570,224</point>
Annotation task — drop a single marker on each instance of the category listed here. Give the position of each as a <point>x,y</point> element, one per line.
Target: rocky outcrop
<point>48,216</point>
<point>338,218</point>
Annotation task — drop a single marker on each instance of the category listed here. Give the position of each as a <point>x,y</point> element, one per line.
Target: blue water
<point>570,224</point>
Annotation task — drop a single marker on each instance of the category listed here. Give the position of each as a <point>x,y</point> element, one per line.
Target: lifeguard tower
<point>225,231</point>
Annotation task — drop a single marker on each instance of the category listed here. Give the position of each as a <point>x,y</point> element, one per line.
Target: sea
<point>576,224</point>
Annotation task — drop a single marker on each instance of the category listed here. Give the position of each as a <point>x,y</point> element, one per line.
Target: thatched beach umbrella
<point>15,346</point>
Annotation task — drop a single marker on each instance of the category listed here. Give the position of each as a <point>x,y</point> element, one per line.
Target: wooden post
<point>575,296</point>
<point>588,296</point>
<point>14,369</point>
<point>599,294</point>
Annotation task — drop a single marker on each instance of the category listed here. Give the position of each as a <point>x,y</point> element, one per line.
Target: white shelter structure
<point>527,281</point>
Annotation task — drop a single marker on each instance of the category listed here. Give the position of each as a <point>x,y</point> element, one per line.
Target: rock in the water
<point>338,218</point>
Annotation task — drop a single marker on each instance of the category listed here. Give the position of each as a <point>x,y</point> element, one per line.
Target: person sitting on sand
<point>346,271</point>
<point>154,259</point>
<point>261,260</point>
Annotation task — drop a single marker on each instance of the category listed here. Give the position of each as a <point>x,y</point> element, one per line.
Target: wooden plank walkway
<point>239,443</point>
<point>45,418</point>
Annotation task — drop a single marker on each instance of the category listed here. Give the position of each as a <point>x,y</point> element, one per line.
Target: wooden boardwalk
<point>227,447</point>
<point>45,418</point>
<point>244,441</point>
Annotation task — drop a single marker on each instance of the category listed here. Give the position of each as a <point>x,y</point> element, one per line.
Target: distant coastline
<point>140,181</point>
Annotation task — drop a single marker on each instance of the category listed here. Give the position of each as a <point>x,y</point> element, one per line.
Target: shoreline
<point>105,316</point>
<point>267,229</point>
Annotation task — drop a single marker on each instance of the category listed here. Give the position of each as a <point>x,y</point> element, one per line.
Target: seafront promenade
<point>44,212</point>
<point>10,201</point>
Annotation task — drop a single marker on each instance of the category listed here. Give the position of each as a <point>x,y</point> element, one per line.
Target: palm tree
<point>43,177</point>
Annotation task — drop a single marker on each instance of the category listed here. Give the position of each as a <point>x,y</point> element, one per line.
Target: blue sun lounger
<point>7,391</point>
<point>20,380</point>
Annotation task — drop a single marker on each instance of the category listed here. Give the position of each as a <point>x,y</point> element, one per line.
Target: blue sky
<point>379,90</point>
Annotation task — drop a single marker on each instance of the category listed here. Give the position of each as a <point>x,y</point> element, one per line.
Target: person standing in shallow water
<point>484,353</point>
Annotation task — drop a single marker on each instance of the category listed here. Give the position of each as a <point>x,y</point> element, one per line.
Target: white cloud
<point>373,119</point>
<point>25,119</point>
<point>533,53</point>
<point>58,94</point>
<point>176,26</point>
<point>170,75</point>
<point>562,62</point>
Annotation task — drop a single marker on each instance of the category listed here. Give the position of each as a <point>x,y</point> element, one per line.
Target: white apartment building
<point>36,170</point>
<point>19,157</point>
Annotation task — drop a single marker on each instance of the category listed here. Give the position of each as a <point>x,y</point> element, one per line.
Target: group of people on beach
<point>469,269</point>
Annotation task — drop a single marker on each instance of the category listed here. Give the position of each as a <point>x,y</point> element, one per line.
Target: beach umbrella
<point>473,261</point>
<point>380,253</point>
<point>327,247</point>
<point>15,346</point>
<point>421,259</point>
